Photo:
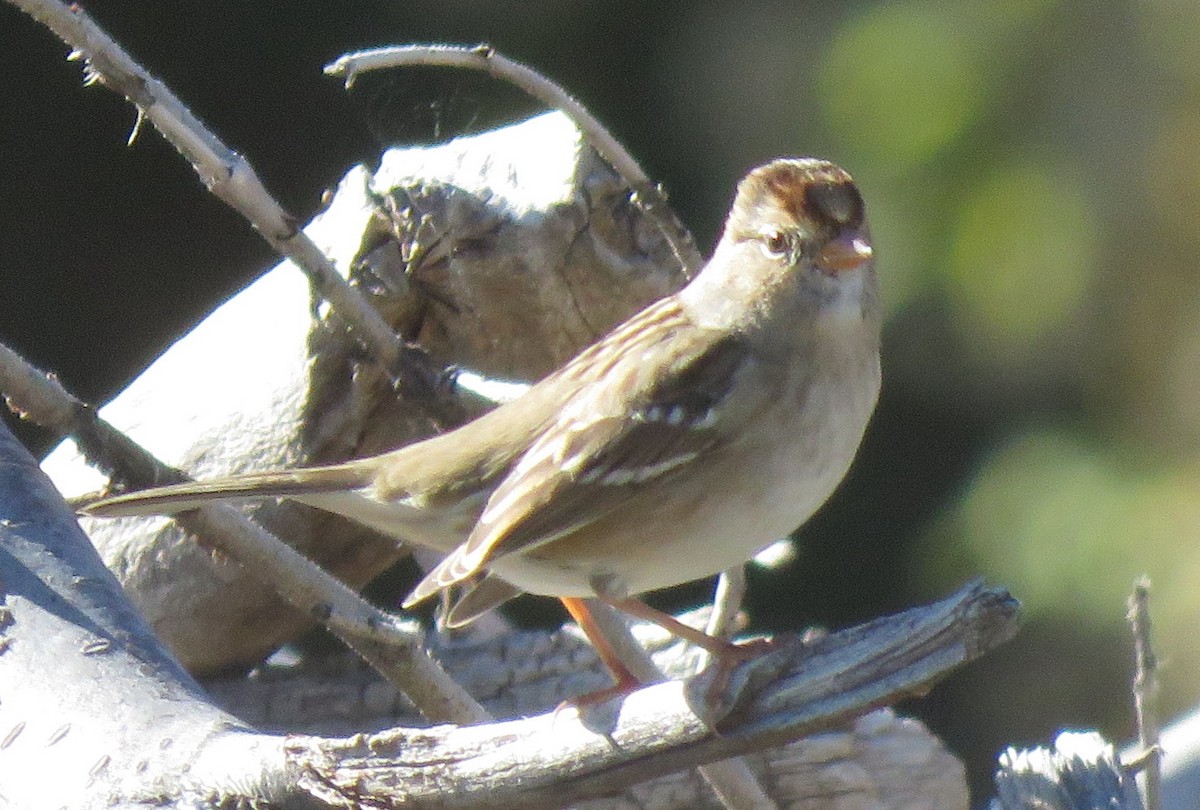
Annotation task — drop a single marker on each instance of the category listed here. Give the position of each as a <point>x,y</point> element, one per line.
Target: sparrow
<point>696,433</point>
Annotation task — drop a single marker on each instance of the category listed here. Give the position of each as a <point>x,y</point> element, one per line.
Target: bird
<point>701,430</point>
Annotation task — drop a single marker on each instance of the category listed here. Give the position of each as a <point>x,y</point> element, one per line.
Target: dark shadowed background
<point>1032,174</point>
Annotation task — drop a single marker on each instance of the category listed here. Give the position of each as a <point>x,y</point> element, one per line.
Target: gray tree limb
<point>94,712</point>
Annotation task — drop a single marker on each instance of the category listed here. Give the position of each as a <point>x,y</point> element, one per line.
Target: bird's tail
<point>168,500</point>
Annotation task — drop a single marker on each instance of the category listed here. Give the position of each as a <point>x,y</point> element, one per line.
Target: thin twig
<point>647,194</point>
<point>394,650</point>
<point>1145,693</point>
<point>230,177</point>
<point>735,785</point>
<point>727,603</point>
<point>722,777</point>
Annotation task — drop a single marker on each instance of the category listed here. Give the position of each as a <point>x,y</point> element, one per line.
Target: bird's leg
<point>726,655</point>
<point>640,610</point>
<point>717,647</point>
<point>626,681</point>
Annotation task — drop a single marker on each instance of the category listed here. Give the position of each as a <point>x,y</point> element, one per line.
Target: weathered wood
<point>94,712</point>
<point>570,755</point>
<point>1080,772</point>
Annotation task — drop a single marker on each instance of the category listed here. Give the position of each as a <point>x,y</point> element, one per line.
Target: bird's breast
<point>718,513</point>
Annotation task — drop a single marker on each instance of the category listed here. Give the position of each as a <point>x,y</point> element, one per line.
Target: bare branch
<point>732,780</point>
<point>780,697</point>
<point>230,177</point>
<point>727,603</point>
<point>646,193</point>
<point>395,649</point>
<point>1145,693</point>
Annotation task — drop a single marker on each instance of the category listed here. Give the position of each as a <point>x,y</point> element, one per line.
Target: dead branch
<point>649,195</point>
<point>231,178</point>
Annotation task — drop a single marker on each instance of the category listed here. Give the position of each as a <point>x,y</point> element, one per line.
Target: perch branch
<point>798,690</point>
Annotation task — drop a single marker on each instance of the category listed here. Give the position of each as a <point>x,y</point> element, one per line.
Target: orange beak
<point>846,252</point>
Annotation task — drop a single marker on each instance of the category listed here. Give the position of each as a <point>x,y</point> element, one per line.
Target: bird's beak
<point>846,252</point>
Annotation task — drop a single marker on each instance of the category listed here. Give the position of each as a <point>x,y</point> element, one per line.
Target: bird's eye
<point>777,245</point>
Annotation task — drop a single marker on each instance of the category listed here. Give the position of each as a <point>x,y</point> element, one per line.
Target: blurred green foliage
<point>1021,258</point>
<point>900,84</point>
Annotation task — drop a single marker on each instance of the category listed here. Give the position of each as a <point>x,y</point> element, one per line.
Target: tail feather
<point>489,593</point>
<point>169,500</point>
<point>450,571</point>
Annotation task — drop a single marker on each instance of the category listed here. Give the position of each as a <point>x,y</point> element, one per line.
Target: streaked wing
<point>605,445</point>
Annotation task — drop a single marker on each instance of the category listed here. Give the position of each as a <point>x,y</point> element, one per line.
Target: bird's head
<point>796,236</point>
